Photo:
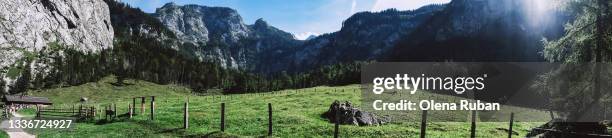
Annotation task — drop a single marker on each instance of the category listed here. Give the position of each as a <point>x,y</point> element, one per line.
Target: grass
<point>296,114</point>
<point>28,112</point>
<point>104,91</point>
<point>3,134</point>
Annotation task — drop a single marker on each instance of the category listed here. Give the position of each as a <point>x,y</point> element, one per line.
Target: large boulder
<point>346,114</point>
<point>561,128</point>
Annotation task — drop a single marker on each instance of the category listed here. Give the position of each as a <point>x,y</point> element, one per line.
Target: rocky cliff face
<point>28,27</point>
<point>219,34</point>
<point>201,24</point>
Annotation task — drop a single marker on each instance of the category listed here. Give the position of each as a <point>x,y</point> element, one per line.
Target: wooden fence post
<point>552,116</point>
<point>96,111</point>
<point>222,117</point>
<point>186,115</point>
<point>423,123</point>
<point>114,110</point>
<point>96,108</point>
<point>473,128</point>
<point>80,111</point>
<point>133,104</point>
<point>152,107</point>
<point>510,128</point>
<point>269,119</point>
<point>37,111</point>
<point>337,125</point>
<point>142,106</point>
<point>105,112</point>
<point>130,110</point>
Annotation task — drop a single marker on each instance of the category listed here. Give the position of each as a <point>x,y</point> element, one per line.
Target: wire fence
<point>148,107</point>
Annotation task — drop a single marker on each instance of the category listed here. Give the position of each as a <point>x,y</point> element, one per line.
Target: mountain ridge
<point>493,30</point>
<point>222,34</point>
<point>211,47</point>
<point>364,36</point>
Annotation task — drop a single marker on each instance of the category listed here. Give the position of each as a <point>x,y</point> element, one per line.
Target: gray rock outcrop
<point>28,26</point>
<point>219,34</point>
<point>200,24</point>
<point>346,114</point>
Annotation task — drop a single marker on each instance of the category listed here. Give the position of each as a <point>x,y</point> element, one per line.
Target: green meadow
<point>296,113</point>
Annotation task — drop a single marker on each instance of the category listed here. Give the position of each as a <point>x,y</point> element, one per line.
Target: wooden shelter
<point>18,99</point>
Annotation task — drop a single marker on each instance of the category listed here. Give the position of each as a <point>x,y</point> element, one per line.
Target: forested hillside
<point>144,49</point>
<point>491,30</point>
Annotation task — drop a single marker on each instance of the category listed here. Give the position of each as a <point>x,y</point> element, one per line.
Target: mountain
<point>481,30</point>
<point>201,24</point>
<point>306,35</point>
<point>310,37</point>
<point>219,34</point>
<point>148,49</point>
<point>52,43</point>
<point>36,35</point>
<point>460,30</point>
<point>363,36</point>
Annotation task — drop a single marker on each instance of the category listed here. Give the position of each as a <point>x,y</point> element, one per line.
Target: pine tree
<point>23,82</point>
<point>576,87</point>
<point>2,85</point>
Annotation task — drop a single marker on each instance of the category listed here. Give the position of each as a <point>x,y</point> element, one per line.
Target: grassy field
<point>297,113</point>
<point>3,134</point>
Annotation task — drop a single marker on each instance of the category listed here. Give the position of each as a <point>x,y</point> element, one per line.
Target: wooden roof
<point>18,99</point>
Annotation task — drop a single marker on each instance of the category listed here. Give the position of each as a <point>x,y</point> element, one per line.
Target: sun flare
<point>539,11</point>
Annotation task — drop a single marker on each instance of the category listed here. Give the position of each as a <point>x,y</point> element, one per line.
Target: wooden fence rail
<point>89,112</point>
<point>82,113</point>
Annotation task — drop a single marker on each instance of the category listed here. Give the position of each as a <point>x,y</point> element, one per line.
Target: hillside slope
<point>364,36</point>
<point>482,30</point>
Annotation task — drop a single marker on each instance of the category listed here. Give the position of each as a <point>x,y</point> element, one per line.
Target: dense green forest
<point>150,57</point>
<point>147,58</point>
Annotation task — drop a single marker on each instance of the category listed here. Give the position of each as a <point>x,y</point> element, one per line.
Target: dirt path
<point>15,132</point>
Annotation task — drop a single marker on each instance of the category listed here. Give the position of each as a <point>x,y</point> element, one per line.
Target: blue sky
<point>300,17</point>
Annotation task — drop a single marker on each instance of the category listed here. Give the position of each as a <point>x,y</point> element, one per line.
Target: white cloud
<point>403,4</point>
<point>305,35</point>
<point>353,6</point>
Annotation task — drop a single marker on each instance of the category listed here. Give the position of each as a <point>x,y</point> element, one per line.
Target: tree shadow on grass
<point>119,84</point>
<point>103,122</point>
<point>172,130</point>
<point>215,134</point>
<point>119,118</point>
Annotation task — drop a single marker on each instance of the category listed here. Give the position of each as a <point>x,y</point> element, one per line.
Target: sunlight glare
<point>539,12</point>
